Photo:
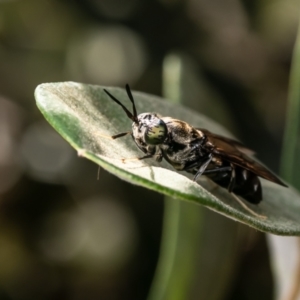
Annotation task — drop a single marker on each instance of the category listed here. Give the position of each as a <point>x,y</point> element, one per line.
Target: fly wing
<point>237,144</point>
<point>234,152</point>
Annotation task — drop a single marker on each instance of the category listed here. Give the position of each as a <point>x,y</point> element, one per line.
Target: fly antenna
<point>131,99</point>
<point>131,116</point>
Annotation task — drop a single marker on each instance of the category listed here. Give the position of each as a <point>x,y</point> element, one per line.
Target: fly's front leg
<point>113,137</point>
<point>158,157</point>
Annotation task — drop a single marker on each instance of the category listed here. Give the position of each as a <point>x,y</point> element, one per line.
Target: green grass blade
<point>290,163</point>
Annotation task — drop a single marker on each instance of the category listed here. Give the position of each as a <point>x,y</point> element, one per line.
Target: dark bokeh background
<point>63,233</point>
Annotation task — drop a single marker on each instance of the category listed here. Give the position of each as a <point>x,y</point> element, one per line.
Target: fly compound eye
<point>156,132</point>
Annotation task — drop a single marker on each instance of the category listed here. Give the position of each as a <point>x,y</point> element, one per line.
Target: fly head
<point>151,129</point>
<point>148,129</point>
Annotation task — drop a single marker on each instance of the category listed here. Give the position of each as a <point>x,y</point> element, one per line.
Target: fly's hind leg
<point>240,201</point>
<point>230,190</point>
<point>247,208</point>
<point>231,186</point>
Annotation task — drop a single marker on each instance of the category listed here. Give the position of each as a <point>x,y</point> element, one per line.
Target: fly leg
<point>138,158</point>
<point>214,171</point>
<point>230,186</point>
<point>113,137</point>
<point>203,167</point>
<point>234,195</point>
<point>230,190</point>
<point>217,170</point>
<point>246,207</point>
<point>158,157</point>
<point>230,168</point>
<point>232,179</point>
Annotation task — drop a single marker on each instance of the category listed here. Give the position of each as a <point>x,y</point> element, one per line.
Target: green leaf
<point>82,114</point>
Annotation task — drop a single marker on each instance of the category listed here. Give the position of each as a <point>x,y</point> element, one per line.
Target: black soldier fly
<point>198,151</point>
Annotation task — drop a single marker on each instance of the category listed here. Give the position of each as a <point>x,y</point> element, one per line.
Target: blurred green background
<point>63,233</point>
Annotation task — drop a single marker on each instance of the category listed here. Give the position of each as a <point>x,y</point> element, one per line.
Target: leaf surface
<point>82,114</point>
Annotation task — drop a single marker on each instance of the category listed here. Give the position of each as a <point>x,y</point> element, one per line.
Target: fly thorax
<point>151,130</point>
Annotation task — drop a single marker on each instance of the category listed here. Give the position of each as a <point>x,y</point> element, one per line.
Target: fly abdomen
<point>246,184</point>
